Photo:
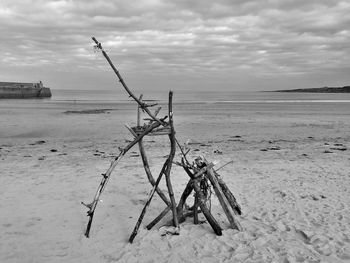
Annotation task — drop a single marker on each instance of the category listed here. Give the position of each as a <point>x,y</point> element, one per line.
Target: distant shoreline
<point>345,89</point>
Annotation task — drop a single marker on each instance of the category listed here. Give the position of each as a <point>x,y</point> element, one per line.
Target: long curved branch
<point>143,105</point>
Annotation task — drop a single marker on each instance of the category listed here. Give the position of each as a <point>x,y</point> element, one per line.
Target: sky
<point>228,45</point>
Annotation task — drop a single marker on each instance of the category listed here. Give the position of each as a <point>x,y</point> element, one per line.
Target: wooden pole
<point>188,190</point>
<point>149,174</point>
<point>158,218</point>
<point>195,210</point>
<point>170,160</point>
<point>224,204</point>
<point>139,112</point>
<point>138,223</point>
<point>201,200</point>
<point>147,168</point>
<point>230,197</point>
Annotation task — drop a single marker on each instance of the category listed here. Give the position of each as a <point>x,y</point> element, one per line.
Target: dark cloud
<point>238,44</point>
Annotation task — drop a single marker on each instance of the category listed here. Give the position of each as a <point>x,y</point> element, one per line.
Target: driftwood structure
<point>202,175</point>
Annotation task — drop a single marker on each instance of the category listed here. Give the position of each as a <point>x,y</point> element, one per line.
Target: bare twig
<point>223,165</point>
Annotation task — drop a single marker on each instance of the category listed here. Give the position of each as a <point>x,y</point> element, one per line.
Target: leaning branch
<point>142,105</point>
<point>106,176</point>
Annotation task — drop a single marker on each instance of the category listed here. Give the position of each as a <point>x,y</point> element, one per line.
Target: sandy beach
<point>290,174</point>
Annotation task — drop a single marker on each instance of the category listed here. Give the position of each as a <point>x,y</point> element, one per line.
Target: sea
<point>189,100</point>
<point>120,96</point>
<point>70,113</point>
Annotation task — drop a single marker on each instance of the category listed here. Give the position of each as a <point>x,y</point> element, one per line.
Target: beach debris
<point>92,111</point>
<point>201,172</point>
<point>53,150</point>
<point>218,151</point>
<point>327,151</point>
<point>273,148</point>
<point>339,147</point>
<point>313,197</point>
<point>235,138</point>
<point>38,142</point>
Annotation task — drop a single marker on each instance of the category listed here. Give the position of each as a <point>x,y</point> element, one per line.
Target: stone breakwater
<point>16,90</point>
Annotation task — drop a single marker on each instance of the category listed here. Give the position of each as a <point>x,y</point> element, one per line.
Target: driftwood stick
<point>149,173</point>
<point>130,130</point>
<point>157,111</point>
<point>158,218</point>
<point>223,165</point>
<point>143,212</point>
<point>139,112</point>
<point>230,197</point>
<point>201,198</point>
<point>88,227</point>
<point>202,204</point>
<point>104,180</point>
<point>182,151</point>
<point>224,204</point>
<point>106,176</point>
<point>195,209</point>
<point>188,190</point>
<point>170,161</point>
<point>146,164</point>
<point>143,105</point>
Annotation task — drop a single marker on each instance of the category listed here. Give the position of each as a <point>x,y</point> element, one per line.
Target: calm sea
<point>45,117</point>
<point>120,96</point>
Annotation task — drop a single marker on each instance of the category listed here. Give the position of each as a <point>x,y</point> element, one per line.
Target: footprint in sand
<point>58,249</point>
<point>138,202</point>
<point>280,193</point>
<point>302,236</point>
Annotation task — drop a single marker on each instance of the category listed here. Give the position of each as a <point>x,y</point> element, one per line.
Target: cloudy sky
<point>177,44</point>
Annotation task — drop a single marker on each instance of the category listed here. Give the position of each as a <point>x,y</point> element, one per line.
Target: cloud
<point>242,41</point>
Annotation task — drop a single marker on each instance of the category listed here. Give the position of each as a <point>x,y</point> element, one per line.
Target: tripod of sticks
<point>200,172</point>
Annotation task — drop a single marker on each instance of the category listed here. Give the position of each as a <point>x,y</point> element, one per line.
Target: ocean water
<point>200,102</point>
<point>193,110</point>
<point>119,96</point>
